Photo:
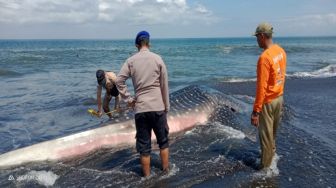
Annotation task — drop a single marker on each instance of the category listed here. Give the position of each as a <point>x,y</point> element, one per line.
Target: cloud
<point>323,24</point>
<point>153,12</point>
<point>44,11</point>
<point>201,9</point>
<point>311,20</point>
<point>132,12</point>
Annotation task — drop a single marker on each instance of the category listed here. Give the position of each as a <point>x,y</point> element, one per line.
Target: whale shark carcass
<point>189,106</point>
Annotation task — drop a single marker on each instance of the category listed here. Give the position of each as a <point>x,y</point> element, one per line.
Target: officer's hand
<point>131,104</point>
<point>118,109</point>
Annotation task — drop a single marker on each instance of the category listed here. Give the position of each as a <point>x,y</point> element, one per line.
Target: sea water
<point>47,86</point>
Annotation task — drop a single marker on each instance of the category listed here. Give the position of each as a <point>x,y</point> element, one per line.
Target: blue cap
<point>141,35</point>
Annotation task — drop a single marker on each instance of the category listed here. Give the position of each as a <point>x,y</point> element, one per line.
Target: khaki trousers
<point>269,121</point>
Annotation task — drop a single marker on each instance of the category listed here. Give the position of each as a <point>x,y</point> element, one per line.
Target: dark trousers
<point>146,122</point>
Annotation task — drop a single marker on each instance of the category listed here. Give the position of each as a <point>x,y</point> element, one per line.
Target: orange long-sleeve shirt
<point>271,71</point>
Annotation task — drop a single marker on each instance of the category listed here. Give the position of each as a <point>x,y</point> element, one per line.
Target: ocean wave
<point>306,49</point>
<point>239,80</point>
<point>325,72</point>
<point>271,171</point>
<point>28,57</point>
<point>229,131</point>
<point>238,49</point>
<point>67,49</point>
<point>46,178</point>
<point>226,49</point>
<point>8,73</point>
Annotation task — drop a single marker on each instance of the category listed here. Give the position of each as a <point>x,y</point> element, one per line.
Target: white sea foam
<point>271,171</point>
<point>231,132</point>
<point>216,159</point>
<point>240,80</point>
<point>46,178</point>
<point>226,49</point>
<point>325,72</point>
<point>172,171</point>
<point>190,132</point>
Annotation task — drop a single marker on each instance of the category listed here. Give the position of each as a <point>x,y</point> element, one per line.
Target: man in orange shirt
<point>267,109</point>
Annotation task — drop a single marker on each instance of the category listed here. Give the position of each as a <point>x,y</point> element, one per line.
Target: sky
<point>122,19</point>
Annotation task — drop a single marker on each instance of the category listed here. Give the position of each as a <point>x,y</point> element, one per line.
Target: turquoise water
<point>195,59</point>
<point>47,85</point>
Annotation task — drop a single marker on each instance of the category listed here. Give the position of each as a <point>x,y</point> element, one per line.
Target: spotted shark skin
<point>190,106</point>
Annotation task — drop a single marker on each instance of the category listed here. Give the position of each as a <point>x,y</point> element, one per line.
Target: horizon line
<point>160,38</point>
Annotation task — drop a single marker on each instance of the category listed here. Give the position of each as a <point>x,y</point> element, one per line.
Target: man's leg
<point>164,154</point>
<point>161,130</point>
<point>266,135</point>
<point>106,104</point>
<point>145,163</point>
<point>143,141</point>
<point>116,103</point>
<point>277,106</point>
